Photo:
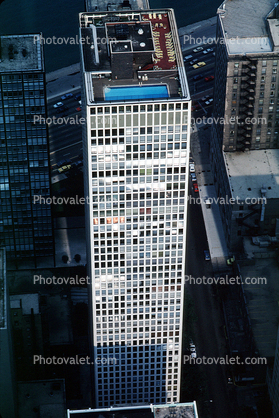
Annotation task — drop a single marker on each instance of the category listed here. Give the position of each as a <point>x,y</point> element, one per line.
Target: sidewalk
<point>62,81</point>
<point>198,33</point>
<point>200,140</point>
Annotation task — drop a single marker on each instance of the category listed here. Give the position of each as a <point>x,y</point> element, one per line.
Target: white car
<point>198,49</point>
<point>193,177</point>
<point>194,355</point>
<point>206,51</point>
<point>192,167</point>
<point>209,101</point>
<point>59,104</point>
<point>187,58</point>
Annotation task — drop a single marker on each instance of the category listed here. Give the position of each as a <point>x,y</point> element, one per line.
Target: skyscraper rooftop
<point>255,29</point>
<point>21,53</point>
<point>135,48</point>
<point>102,5</point>
<point>245,18</point>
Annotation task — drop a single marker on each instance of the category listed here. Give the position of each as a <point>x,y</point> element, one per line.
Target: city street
<point>209,331</point>
<point>65,140</point>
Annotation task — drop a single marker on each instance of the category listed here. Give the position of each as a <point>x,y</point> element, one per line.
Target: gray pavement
<point>198,33</point>
<point>64,80</point>
<point>212,218</point>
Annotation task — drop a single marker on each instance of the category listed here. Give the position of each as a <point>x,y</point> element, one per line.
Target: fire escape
<point>246,106</point>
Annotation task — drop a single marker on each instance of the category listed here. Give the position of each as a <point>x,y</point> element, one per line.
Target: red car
<point>196,187</point>
<point>78,109</point>
<point>209,78</point>
<point>196,107</point>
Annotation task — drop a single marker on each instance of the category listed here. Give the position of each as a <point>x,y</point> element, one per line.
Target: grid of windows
<point>138,181</point>
<point>25,227</point>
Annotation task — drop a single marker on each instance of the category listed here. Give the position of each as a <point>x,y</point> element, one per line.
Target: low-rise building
<point>177,410</point>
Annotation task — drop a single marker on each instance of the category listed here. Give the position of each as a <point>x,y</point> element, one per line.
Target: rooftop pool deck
<point>136,92</point>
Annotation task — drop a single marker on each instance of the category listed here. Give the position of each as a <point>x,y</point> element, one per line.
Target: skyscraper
<point>7,378</point>
<point>246,85</point>
<point>136,143</point>
<point>245,139</point>
<point>25,227</point>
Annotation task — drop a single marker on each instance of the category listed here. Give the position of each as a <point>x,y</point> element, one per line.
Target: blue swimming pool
<point>136,92</point>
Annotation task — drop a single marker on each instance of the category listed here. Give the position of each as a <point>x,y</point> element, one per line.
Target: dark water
<point>59,18</point>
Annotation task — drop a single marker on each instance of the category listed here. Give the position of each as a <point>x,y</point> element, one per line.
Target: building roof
<point>248,171</point>
<point>245,20</point>
<point>131,48</point>
<point>180,410</point>
<point>102,5</point>
<point>21,53</point>
<point>28,302</point>
<point>43,398</point>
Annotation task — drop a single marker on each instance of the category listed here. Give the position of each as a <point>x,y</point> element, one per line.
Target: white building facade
<point>136,149</point>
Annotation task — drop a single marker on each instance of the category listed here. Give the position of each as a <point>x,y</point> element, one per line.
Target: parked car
<point>77,96</point>
<point>67,96</point>
<point>206,255</point>
<point>64,168</point>
<point>193,61</point>
<point>78,109</point>
<point>196,187</point>
<point>192,167</point>
<point>206,51</point>
<point>209,78</point>
<point>194,355</point>
<point>205,98</point>
<point>196,107</point>
<point>197,77</point>
<point>62,109</point>
<point>199,64</point>
<point>187,58</point>
<point>209,101</point>
<point>198,49</point>
<point>59,104</point>
<point>63,162</point>
<point>193,177</point>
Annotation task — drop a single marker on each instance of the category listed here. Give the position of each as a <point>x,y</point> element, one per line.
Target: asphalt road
<point>205,71</point>
<point>65,137</point>
<point>195,34</point>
